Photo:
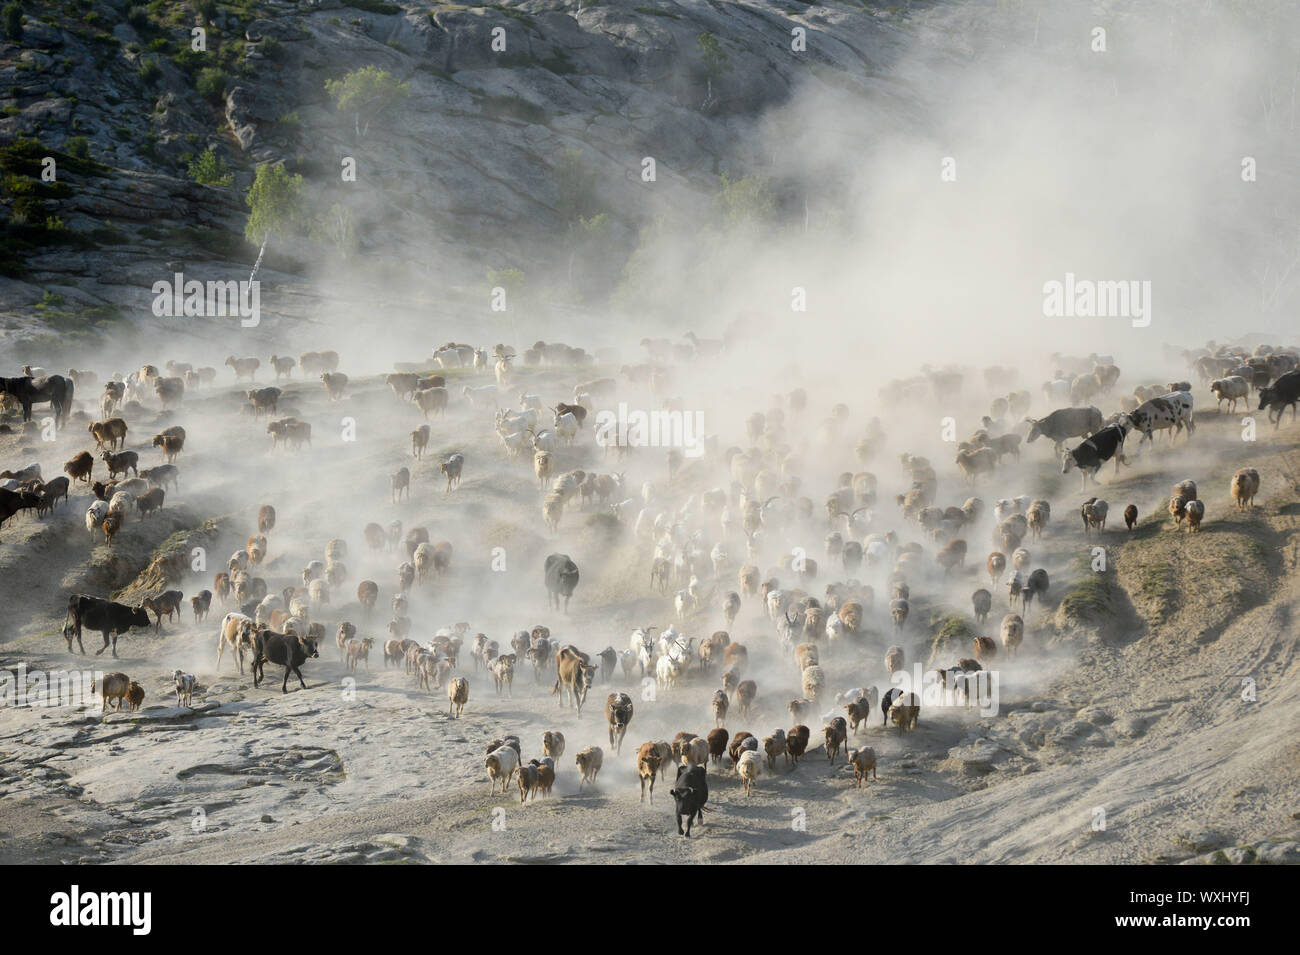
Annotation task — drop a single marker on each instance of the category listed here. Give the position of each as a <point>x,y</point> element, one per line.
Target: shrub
<point>150,71</point>
<point>211,84</point>
<point>79,146</point>
<point>210,169</point>
<point>13,21</point>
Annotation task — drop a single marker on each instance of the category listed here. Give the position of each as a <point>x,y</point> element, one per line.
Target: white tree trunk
<point>261,252</point>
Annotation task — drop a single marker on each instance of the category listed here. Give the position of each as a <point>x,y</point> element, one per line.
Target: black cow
<point>55,389</point>
<point>690,793</point>
<point>561,579</point>
<point>608,661</point>
<point>1095,451</point>
<point>285,649</point>
<point>106,616</point>
<point>1285,391</point>
<point>887,701</point>
<point>11,502</point>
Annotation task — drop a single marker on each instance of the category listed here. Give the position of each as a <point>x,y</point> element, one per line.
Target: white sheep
<point>501,764</point>
<point>566,425</point>
<point>95,515</point>
<point>546,440</point>
<point>749,767</point>
<point>184,687</point>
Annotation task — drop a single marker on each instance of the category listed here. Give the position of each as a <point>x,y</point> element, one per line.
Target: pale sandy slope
<point>1142,719</point>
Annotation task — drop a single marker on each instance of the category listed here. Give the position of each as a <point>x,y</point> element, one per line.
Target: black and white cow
<point>1173,410</point>
<point>1096,450</point>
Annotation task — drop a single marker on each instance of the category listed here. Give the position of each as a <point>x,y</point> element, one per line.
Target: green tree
<point>368,90</point>
<point>575,188</point>
<point>210,169</point>
<point>338,226</point>
<point>275,207</point>
<point>716,62</point>
<point>745,201</point>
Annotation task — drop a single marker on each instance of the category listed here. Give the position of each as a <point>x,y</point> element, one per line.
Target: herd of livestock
<point>715,535</point>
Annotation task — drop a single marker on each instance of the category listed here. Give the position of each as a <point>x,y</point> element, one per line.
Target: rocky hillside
<point>517,121</point>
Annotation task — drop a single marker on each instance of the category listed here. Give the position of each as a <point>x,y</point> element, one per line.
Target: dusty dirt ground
<point>1129,709</point>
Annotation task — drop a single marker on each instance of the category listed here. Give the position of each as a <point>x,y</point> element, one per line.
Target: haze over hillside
<point>924,164</point>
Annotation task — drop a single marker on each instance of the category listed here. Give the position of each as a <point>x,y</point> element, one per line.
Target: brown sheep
<point>774,746</point>
<point>836,736</point>
<point>114,687</point>
<point>719,706</point>
<point>648,762</point>
<point>335,383</point>
<point>367,595</point>
<point>864,762</point>
<point>996,564</point>
<point>717,740</point>
<point>401,481</point>
<point>419,441</point>
<point>527,780</point>
<point>545,778</point>
<point>359,651</point>
<point>1013,632</point>
<point>952,555</point>
<point>985,649</point>
<point>111,432</point>
<point>858,711</point>
<point>171,444</point>
<point>589,762</point>
<point>1245,485</point>
<point>134,696</point>
<point>81,467</point>
<point>200,603</point>
<point>1130,516</point>
<point>167,604</point>
<point>457,696</point>
<point>796,742</point>
<point>111,525</point>
<point>265,519</point>
<point>1178,509</point>
<point>746,691</point>
<point>735,655</point>
<point>431,399</point>
<point>905,712</point>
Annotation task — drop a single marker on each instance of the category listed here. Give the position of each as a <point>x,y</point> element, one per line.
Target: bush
<point>79,146</point>
<point>13,21</point>
<point>208,10</point>
<point>210,169</point>
<point>211,84</point>
<point>150,71</point>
